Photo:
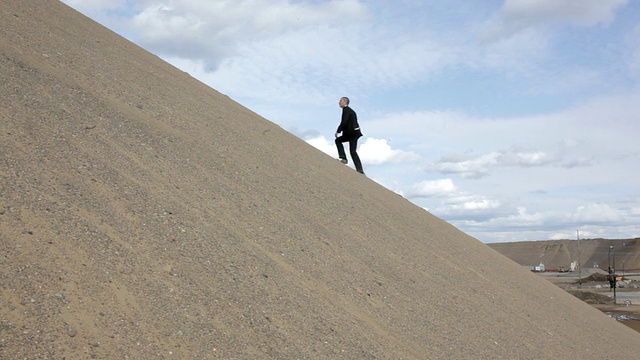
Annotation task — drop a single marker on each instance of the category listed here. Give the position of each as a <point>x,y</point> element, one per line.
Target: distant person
<point>348,130</point>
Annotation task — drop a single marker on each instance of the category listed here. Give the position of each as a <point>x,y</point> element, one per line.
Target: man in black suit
<point>350,132</point>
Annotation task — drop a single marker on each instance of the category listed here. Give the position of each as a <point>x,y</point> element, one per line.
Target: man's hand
<point>337,134</point>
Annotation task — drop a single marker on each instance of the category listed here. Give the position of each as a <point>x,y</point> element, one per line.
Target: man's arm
<point>343,121</point>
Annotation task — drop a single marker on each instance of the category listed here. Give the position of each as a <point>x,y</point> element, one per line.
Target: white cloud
<point>307,64</point>
<point>518,15</point>
<point>526,159</point>
<point>378,151</point>
<point>475,168</point>
<point>321,143</point>
<point>579,162</point>
<point>523,40</point>
<point>591,219</point>
<point>470,207</point>
<point>596,213</point>
<point>372,151</point>
<point>472,168</point>
<point>432,188</point>
<point>576,12</point>
<point>297,51</point>
<point>481,204</point>
<point>212,31</point>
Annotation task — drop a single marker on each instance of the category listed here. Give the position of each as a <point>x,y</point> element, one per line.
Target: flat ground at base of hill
<point>628,315</point>
<point>626,309</point>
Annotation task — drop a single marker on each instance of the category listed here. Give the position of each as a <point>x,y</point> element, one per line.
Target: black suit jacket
<point>349,125</point>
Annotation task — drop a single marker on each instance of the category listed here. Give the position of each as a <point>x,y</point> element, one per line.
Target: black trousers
<point>353,145</point>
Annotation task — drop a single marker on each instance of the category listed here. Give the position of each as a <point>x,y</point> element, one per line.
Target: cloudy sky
<point>513,120</point>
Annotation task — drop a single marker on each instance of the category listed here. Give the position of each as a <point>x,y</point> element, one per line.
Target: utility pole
<point>579,261</point>
<point>613,282</point>
<point>623,257</point>
<point>609,270</point>
<point>615,278</point>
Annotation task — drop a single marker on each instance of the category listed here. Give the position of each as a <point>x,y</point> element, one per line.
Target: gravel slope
<point>144,215</point>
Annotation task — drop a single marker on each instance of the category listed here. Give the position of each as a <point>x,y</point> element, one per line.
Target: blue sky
<point>513,120</point>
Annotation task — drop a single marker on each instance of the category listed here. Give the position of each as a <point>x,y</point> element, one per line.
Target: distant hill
<point>144,215</point>
<point>622,254</point>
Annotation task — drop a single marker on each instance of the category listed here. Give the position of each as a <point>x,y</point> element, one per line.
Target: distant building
<point>574,266</point>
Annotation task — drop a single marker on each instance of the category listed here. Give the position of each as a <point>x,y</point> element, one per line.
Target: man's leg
<point>353,145</point>
<point>341,153</point>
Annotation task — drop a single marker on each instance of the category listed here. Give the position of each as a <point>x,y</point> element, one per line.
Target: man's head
<point>344,101</point>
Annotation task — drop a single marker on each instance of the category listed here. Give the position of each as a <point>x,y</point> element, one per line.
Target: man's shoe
<point>344,161</point>
<point>361,172</point>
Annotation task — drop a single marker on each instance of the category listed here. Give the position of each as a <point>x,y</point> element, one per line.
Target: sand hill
<point>144,215</point>
<point>622,254</point>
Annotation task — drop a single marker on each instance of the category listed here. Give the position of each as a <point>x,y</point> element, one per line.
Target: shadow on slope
<point>144,214</point>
